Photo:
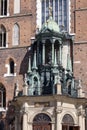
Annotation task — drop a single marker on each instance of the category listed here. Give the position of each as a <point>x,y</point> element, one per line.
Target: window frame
<point>10,72</point>
<point>16,35</point>
<point>17,6</point>
<point>4,8</point>
<point>3,36</point>
<point>39,14</point>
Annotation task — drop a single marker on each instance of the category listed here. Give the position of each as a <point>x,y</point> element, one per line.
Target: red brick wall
<point>20,56</point>
<point>27,23</point>
<point>26,20</point>
<point>79,19</point>
<point>79,27</point>
<point>80,63</point>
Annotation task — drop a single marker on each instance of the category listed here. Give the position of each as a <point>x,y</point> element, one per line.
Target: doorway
<point>68,123</point>
<point>42,122</point>
<point>68,127</point>
<point>42,127</point>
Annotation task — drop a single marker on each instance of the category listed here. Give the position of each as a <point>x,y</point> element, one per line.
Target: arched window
<point>2,96</point>
<point>11,66</point>
<point>16,34</point>
<point>60,12</point>
<point>68,123</point>
<point>59,8</point>
<point>41,118</point>
<point>42,122</point>
<point>67,119</point>
<point>2,36</point>
<point>16,6</point>
<point>3,7</point>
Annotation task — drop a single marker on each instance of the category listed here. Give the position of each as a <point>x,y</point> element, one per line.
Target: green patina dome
<point>51,25</point>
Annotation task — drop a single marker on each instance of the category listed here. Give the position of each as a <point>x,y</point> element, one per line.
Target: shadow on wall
<point>24,64</point>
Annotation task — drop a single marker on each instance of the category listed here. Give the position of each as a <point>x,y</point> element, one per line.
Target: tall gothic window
<point>2,36</point>
<point>60,12</point>
<point>2,96</point>
<point>3,7</point>
<point>16,6</point>
<point>16,33</point>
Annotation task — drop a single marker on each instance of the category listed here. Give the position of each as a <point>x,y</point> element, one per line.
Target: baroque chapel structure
<point>51,98</point>
<point>30,52</point>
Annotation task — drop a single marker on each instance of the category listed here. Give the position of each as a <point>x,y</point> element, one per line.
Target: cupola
<point>50,25</point>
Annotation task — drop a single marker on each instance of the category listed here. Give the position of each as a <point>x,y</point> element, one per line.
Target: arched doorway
<point>42,122</point>
<point>68,123</point>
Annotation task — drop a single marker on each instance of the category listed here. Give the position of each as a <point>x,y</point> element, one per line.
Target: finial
<point>50,11</point>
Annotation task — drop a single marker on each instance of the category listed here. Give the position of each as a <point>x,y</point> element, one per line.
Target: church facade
<point>38,63</point>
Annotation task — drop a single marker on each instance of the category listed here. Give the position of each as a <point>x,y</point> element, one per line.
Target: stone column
<point>81,115</point>
<point>58,113</point>
<point>25,121</point>
<point>59,88</point>
<point>52,53</point>
<point>55,59</point>
<point>53,126</point>
<point>43,53</point>
<point>60,54</point>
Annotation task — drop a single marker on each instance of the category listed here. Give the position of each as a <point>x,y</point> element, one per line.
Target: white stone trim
<point>38,111</point>
<point>69,18</point>
<point>16,6</point>
<point>8,71</point>
<point>7,7</point>
<point>70,113</point>
<point>77,62</point>
<point>38,14</point>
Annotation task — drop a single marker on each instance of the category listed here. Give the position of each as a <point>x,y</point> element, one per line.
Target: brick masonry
<point>21,56</point>
<point>79,27</point>
<point>27,23</point>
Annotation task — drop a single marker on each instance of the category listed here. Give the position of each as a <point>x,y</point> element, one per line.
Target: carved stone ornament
<point>59,110</point>
<point>81,112</point>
